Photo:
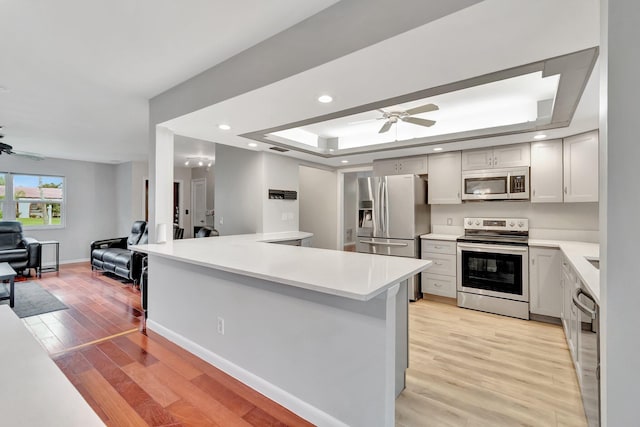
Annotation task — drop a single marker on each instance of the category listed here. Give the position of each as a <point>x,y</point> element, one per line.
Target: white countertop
<point>34,390</point>
<point>347,274</point>
<point>435,236</point>
<point>576,253</point>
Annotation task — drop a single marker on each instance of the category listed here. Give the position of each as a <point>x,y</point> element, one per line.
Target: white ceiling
<point>490,36</point>
<point>78,74</point>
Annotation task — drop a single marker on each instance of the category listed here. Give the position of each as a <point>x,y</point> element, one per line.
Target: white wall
<point>183,175</point>
<point>91,208</point>
<point>279,173</point>
<point>139,172</point>
<point>318,206</point>
<point>620,268</point>
<point>238,178</point>
<point>123,208</point>
<point>577,221</point>
<point>350,206</point>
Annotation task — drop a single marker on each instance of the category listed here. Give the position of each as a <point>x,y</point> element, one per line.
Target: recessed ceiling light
<point>437,149</point>
<point>224,127</point>
<point>209,164</point>
<point>331,150</point>
<point>200,163</point>
<point>540,136</point>
<point>344,161</point>
<point>325,99</point>
<point>252,145</point>
<point>186,163</point>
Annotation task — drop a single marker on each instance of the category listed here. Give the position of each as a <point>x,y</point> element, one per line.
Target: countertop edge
<point>284,281</point>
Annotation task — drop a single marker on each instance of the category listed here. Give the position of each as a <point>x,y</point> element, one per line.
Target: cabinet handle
<point>438,263</point>
<point>458,194</point>
<point>437,247</point>
<point>495,161</point>
<point>437,285</point>
<point>565,190</point>
<point>533,261</point>
<point>534,192</point>
<point>489,161</point>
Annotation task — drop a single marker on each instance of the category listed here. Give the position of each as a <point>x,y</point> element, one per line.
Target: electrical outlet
<point>221,220</point>
<point>220,325</point>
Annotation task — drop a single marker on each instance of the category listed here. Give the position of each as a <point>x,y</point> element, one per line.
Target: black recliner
<point>22,253</point>
<point>206,232</point>
<point>113,255</point>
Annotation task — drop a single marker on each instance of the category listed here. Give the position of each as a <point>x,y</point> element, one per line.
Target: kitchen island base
<point>330,359</point>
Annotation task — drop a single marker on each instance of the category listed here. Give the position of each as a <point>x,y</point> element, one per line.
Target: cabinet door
<point>581,168</point>
<point>414,165</point>
<point>544,281</point>
<point>477,159</point>
<point>385,167</point>
<point>511,155</point>
<point>546,171</point>
<point>445,178</point>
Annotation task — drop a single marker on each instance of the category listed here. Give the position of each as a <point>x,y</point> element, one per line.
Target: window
<point>38,200</point>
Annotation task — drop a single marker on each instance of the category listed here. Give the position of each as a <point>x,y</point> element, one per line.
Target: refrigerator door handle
<point>386,209</point>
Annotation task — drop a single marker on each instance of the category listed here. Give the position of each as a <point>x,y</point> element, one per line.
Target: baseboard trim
<point>440,299</point>
<point>273,392</point>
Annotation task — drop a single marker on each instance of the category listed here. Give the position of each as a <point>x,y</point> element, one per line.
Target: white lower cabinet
<point>545,276</point>
<point>440,278</point>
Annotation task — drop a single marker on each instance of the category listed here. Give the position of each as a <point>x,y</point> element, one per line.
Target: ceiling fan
<point>392,117</point>
<point>8,149</point>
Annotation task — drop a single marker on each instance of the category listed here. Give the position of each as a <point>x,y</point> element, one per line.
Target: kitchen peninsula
<point>322,332</point>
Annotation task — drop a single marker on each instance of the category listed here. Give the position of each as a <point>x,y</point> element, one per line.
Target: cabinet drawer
<point>438,247</point>
<point>442,264</point>
<point>439,285</point>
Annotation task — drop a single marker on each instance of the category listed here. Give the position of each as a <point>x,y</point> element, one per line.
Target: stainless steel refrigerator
<point>392,214</point>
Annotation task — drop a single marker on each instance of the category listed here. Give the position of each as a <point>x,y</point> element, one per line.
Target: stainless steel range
<point>493,266</point>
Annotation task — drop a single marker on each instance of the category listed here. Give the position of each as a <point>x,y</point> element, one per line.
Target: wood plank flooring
<point>469,368</point>
<point>132,378</point>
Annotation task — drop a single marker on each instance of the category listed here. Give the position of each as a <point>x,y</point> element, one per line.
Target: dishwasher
<point>589,355</point>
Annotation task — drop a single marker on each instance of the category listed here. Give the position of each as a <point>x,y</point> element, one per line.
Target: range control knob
<point>469,222</point>
<point>512,224</point>
<point>521,224</point>
<point>477,222</point>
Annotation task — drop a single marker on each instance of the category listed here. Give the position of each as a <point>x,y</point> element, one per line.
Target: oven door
<point>494,270</point>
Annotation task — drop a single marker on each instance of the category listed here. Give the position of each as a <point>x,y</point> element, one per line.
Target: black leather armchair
<point>206,232</point>
<point>113,255</point>
<point>22,253</point>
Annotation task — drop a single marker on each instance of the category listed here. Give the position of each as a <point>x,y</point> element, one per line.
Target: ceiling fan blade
<point>418,121</point>
<point>385,127</point>
<point>422,109</point>
<point>27,155</point>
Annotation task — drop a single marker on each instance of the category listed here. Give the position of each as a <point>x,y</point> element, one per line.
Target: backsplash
<point>563,221</point>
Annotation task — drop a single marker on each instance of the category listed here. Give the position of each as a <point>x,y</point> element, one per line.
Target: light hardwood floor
<point>469,368</point>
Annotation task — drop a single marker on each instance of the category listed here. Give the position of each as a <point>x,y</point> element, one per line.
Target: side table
<point>8,273</point>
<point>56,266</point>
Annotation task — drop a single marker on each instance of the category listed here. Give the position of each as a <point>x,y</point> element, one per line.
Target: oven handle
<point>576,301</point>
<point>489,247</point>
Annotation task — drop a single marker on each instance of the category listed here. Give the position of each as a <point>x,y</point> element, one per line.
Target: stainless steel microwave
<point>496,184</point>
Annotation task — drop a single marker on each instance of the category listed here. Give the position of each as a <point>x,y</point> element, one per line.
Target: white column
<point>619,212</point>
<point>163,188</point>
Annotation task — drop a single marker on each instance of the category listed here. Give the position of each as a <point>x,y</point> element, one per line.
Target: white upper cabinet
<point>581,168</point>
<point>477,159</point>
<point>406,165</point>
<point>497,157</point>
<point>508,156</point>
<point>445,178</point>
<point>546,171</point>
<point>545,275</point>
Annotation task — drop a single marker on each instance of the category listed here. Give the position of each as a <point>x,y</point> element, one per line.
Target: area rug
<point>31,299</point>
